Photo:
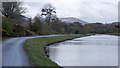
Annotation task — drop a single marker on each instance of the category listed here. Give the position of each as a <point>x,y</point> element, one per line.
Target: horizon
<point>101,11</point>
<point>84,20</point>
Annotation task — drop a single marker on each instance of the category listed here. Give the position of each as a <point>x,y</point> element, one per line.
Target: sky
<point>104,11</point>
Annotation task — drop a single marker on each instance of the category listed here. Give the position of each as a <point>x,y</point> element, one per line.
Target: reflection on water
<point>97,50</point>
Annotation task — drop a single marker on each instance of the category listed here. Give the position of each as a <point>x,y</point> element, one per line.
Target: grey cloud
<point>88,11</point>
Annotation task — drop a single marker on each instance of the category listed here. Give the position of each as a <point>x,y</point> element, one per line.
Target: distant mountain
<point>72,20</point>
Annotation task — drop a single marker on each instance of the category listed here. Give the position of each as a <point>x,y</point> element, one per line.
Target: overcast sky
<point>88,10</point>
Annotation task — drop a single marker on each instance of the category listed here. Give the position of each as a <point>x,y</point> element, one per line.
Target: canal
<point>96,50</point>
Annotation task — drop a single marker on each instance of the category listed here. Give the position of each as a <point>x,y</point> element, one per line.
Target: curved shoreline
<point>36,49</point>
<point>45,47</point>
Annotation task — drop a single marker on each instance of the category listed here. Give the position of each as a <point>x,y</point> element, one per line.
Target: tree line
<point>47,22</point>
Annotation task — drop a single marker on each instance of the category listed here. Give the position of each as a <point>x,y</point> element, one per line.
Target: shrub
<point>7,26</point>
<point>4,33</point>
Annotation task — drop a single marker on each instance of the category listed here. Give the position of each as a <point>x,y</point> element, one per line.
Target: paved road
<point>13,53</point>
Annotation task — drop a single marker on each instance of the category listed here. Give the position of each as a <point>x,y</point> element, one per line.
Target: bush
<point>7,26</point>
<point>19,30</point>
<point>4,33</point>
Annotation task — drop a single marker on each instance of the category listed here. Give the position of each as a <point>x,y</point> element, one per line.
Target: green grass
<point>118,34</point>
<point>35,49</point>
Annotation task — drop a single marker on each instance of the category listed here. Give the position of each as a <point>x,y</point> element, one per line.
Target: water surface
<point>96,50</point>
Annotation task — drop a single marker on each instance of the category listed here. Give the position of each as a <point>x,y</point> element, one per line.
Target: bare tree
<point>48,12</point>
<point>12,9</point>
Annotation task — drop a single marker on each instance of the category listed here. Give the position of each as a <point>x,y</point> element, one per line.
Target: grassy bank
<point>35,49</point>
<point>117,34</point>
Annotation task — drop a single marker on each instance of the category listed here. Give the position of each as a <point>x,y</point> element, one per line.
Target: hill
<point>72,20</point>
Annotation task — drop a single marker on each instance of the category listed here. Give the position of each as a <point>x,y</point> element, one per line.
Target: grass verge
<point>35,49</point>
<point>117,34</point>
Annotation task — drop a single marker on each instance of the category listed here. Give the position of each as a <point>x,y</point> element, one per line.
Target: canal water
<point>96,50</point>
